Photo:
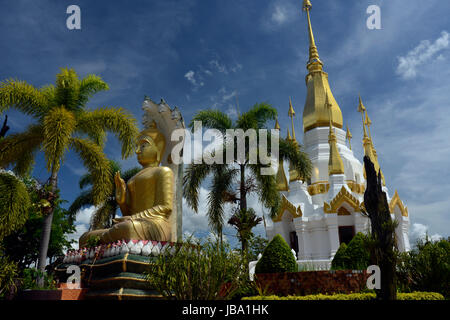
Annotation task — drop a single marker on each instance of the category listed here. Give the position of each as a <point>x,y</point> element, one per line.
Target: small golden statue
<point>149,210</point>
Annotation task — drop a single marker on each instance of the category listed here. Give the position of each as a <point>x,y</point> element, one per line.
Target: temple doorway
<point>346,234</point>
<point>294,241</point>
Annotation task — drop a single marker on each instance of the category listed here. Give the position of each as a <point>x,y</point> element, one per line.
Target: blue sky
<point>200,54</point>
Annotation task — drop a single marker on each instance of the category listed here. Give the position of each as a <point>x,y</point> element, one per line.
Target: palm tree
<point>63,122</point>
<point>224,175</point>
<point>244,221</point>
<point>106,212</point>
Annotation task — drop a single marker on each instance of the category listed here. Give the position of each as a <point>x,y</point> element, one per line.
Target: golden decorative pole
<point>349,137</point>
<point>368,123</point>
<point>291,114</point>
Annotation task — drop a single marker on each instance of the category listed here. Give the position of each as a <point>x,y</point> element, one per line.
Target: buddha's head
<point>150,146</point>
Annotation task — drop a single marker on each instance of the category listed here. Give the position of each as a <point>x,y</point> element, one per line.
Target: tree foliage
<point>62,123</point>
<point>14,203</point>
<point>233,182</point>
<point>426,268</point>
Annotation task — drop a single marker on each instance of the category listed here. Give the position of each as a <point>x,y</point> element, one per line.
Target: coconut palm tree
<point>106,212</point>
<point>225,175</point>
<point>63,122</point>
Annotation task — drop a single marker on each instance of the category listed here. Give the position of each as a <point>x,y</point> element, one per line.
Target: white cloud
<point>420,231</point>
<point>218,66</point>
<point>190,76</point>
<point>423,53</point>
<point>279,15</point>
<point>82,224</point>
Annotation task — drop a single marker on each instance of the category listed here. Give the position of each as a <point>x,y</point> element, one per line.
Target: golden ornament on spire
<point>368,123</point>
<point>289,138</point>
<point>348,136</point>
<point>362,109</point>
<point>291,114</point>
<point>335,163</point>
<point>277,125</point>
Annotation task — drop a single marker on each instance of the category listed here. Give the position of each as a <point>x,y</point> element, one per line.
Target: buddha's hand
<point>120,188</point>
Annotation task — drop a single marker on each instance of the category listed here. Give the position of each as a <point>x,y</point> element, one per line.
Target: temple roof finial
<point>314,63</point>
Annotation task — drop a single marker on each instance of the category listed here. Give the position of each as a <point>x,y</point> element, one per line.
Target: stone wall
<point>312,282</point>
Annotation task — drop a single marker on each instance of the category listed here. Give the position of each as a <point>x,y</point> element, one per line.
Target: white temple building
<point>316,216</point>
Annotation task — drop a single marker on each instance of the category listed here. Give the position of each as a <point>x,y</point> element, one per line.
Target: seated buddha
<point>145,200</point>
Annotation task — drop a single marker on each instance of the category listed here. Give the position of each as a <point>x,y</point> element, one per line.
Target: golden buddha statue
<point>146,201</point>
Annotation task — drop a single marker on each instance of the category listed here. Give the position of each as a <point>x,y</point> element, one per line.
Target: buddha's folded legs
<point>137,230</point>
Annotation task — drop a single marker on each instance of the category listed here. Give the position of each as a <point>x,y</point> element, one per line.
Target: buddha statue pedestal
<point>117,270</point>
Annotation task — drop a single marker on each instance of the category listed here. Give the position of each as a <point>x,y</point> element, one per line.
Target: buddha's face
<point>147,152</point>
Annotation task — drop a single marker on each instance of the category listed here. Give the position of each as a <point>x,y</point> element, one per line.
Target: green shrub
<point>353,256</point>
<point>30,276</point>
<point>276,258</point>
<point>8,275</point>
<point>341,258</point>
<point>354,296</point>
<point>426,268</point>
<point>197,271</point>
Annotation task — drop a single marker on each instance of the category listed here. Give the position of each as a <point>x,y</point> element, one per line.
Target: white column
<point>333,232</point>
<point>300,229</point>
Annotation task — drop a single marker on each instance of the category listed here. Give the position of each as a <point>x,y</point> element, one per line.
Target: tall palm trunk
<point>46,231</point>
<point>243,191</point>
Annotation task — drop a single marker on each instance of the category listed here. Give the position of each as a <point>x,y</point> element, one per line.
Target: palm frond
<point>24,164</point>
<point>256,117</point>
<point>222,181</point>
<point>49,91</point>
<point>300,160</point>
<point>18,145</point>
<point>98,165</point>
<point>115,120</point>
<point>194,175</point>
<point>214,119</point>
<point>102,217</point>
<point>67,89</point>
<point>267,189</point>
<point>23,97</point>
<point>58,128</point>
<point>89,86</point>
<point>14,204</point>
<point>83,200</point>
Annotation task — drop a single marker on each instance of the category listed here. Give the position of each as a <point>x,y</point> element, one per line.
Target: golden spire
<point>368,123</point>
<point>314,62</point>
<point>293,173</point>
<point>335,164</point>
<point>277,125</point>
<point>369,149</point>
<point>362,109</point>
<point>281,180</point>
<point>314,113</point>
<point>289,138</point>
<point>349,137</point>
<point>291,114</point>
